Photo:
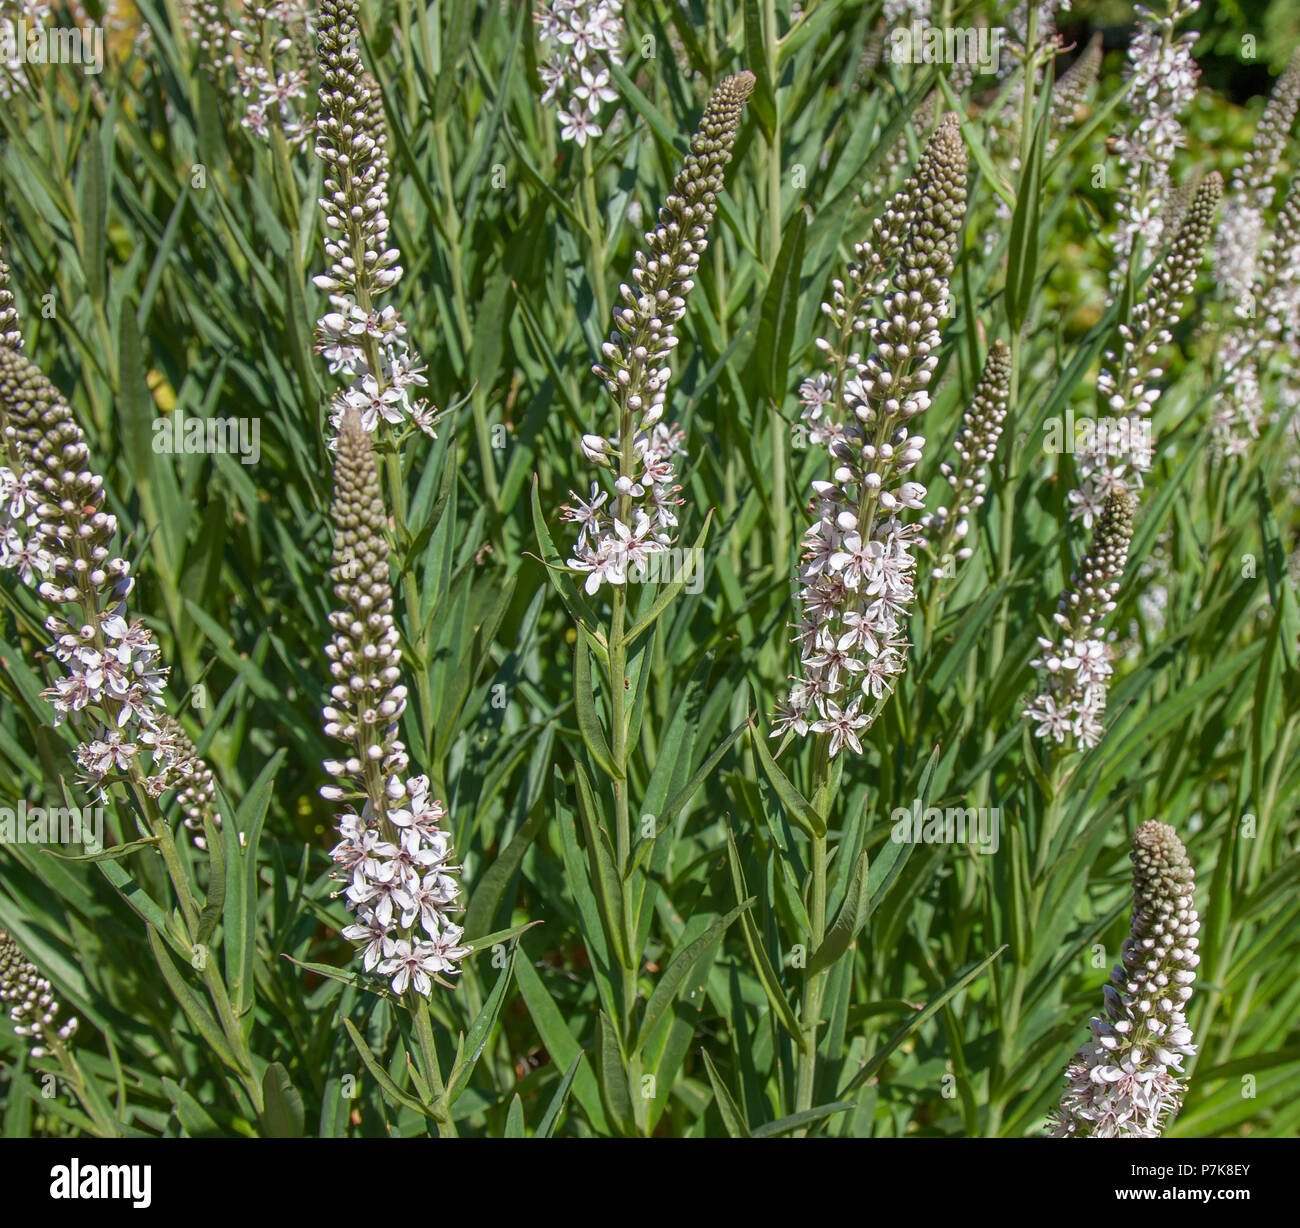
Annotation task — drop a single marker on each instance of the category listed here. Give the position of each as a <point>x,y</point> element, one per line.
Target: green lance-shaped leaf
<point>776,323</point>
<point>603,868</point>
<point>680,967</point>
<point>732,1118</point>
<point>476,1038</point>
<point>797,807</point>
<point>1022,255</point>
<point>593,736</point>
<point>852,917</point>
<point>767,975</point>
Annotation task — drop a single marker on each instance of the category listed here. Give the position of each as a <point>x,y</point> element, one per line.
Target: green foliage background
<point>178,250</point>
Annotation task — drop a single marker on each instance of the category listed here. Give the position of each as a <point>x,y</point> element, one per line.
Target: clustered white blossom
<point>858,562</point>
<point>1119,451</point>
<point>269,49</point>
<point>622,527</point>
<point>574,36</point>
<point>211,31</point>
<point>272,80</point>
<point>1161,77</point>
<point>976,445</point>
<point>1077,665</point>
<point>55,533</point>
<point>33,1008</point>
<point>1256,269</point>
<point>360,339</point>
<point>393,855</point>
<point>1125,1082</point>
<point>904,12</point>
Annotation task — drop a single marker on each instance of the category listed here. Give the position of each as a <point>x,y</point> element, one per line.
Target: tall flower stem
<point>776,421</point>
<point>825,785</point>
<point>630,521</point>
<point>622,806</point>
<point>1012,1005</point>
<point>432,1070</point>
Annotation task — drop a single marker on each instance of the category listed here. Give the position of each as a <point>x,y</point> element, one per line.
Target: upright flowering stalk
<point>575,35</point>
<point>1121,452</point>
<point>1240,236</point>
<point>33,1008</point>
<point>858,562</point>
<point>208,22</point>
<point>629,521</point>
<point>634,517</point>
<point>59,539</point>
<point>393,855</point>
<point>1161,77</point>
<point>976,445</point>
<point>1072,88</point>
<point>9,333</point>
<point>849,311</point>
<point>1125,1082</point>
<point>272,73</point>
<point>1252,260</point>
<point>1077,665</point>
<point>362,340</point>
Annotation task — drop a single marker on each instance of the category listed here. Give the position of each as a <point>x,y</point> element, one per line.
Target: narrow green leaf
<point>604,872</point>
<point>758,956</point>
<point>852,917</point>
<point>380,1075</point>
<point>282,1114</point>
<point>679,968</point>
<point>546,1128</point>
<point>613,1078</point>
<point>477,1037</point>
<point>593,736</point>
<point>796,1121</point>
<point>776,323</point>
<point>954,987</point>
<point>797,807</point>
<point>732,1118</point>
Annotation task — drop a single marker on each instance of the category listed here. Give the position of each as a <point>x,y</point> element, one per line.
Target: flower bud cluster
<point>1122,456</point>
<point>858,559</point>
<point>393,854</point>
<point>1077,665</point>
<point>634,516</point>
<point>976,445</point>
<point>33,1008</point>
<point>360,339</point>
<point>1125,1082</point>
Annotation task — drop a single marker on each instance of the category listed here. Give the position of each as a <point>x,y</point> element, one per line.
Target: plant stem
<point>814,986</point>
<point>440,1106</point>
